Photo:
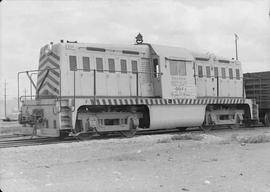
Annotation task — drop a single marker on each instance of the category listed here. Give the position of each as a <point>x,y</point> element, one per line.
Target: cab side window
<point>123,63</point>
<point>156,68</point>
<point>230,73</point>
<point>86,64</point>
<point>223,73</point>
<point>111,65</point>
<point>216,72</point>
<point>99,64</point>
<point>208,71</point>
<point>237,73</point>
<point>134,66</point>
<point>72,63</point>
<point>200,71</point>
<point>178,68</point>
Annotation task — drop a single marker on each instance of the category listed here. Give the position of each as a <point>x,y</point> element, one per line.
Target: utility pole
<point>5,98</point>
<point>236,51</point>
<point>25,94</point>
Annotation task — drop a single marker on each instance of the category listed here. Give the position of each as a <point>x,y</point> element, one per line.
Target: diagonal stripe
<point>40,78</point>
<point>47,65</point>
<point>54,55</point>
<point>48,78</point>
<point>42,57</point>
<point>48,60</point>
<point>92,102</point>
<point>46,94</point>
<point>49,90</point>
<point>146,101</point>
<point>51,70</point>
<point>50,86</point>
<point>110,101</point>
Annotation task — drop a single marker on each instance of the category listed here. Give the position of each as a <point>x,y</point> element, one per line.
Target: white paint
<point>172,116</point>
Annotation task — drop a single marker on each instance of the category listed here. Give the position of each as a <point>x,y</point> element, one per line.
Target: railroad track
<point>8,136</point>
<point>30,142</point>
<point>15,142</point>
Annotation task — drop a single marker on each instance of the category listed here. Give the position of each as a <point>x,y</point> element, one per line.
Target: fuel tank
<point>172,116</point>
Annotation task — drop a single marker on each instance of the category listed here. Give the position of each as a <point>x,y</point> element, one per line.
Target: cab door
<point>180,79</point>
<point>156,77</point>
<point>147,81</point>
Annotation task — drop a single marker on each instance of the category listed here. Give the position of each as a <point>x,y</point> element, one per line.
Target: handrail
<point>32,83</point>
<point>29,76</point>
<point>59,98</point>
<point>95,87</point>
<point>109,71</point>
<point>118,71</point>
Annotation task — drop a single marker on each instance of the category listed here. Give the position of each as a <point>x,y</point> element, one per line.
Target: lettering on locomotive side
<point>181,87</point>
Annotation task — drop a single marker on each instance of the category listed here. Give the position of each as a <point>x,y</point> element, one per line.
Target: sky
<point>200,26</point>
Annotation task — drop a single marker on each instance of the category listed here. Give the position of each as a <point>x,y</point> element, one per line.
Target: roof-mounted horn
<point>139,39</point>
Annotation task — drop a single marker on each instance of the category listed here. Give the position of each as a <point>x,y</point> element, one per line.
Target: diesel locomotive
<point>103,88</point>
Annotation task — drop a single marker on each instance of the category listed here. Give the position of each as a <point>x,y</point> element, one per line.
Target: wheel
<point>207,125</point>
<point>103,134</point>
<point>267,119</point>
<point>181,128</point>
<point>64,134</point>
<point>84,136</point>
<point>132,128</point>
<point>237,123</point>
<point>206,128</point>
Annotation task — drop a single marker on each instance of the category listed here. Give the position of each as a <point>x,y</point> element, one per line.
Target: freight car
<point>98,88</point>
<point>257,86</point>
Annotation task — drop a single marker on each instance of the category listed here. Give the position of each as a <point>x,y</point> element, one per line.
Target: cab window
<point>178,68</point>
<point>123,63</point>
<point>237,73</point>
<point>223,73</point>
<point>156,68</point>
<point>230,73</point>
<point>111,65</point>
<point>134,66</point>
<point>200,71</point>
<point>208,71</point>
<point>99,64</point>
<point>86,64</point>
<point>72,63</point>
<point>216,72</point>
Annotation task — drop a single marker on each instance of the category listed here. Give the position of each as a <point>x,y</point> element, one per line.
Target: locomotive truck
<point>86,88</point>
